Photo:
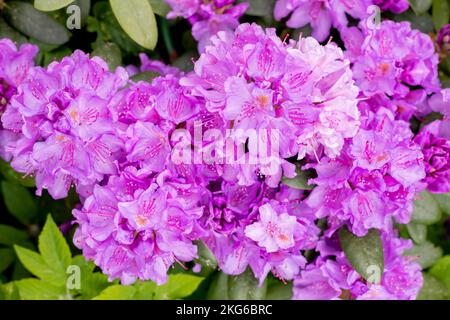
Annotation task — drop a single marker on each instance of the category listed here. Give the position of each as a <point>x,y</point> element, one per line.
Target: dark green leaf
<point>7,257</point>
<point>443,201</point>
<point>160,7</point>
<point>260,8</point>
<point>147,76</point>
<point>36,24</point>
<point>365,254</point>
<point>418,232</point>
<point>14,176</point>
<point>19,202</point>
<point>426,253</point>
<point>10,236</point>
<point>426,209</point>
<point>111,53</point>
<point>241,287</point>
<point>300,182</point>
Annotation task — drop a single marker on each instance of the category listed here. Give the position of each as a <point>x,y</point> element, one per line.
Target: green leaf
<point>441,270</point>
<point>441,13</point>
<point>34,289</point>
<point>259,8</point>
<point>10,236</point>
<point>7,257</point>
<point>117,292</point>
<point>418,232</point>
<point>14,176</point>
<point>160,7</point>
<point>53,247</point>
<point>206,259</point>
<point>34,263</point>
<point>91,283</point>
<point>246,287</point>
<point>218,289</point>
<point>19,202</point>
<point>426,253</point>
<point>443,201</point>
<point>241,287</point>
<point>300,182</point>
<point>178,286</point>
<point>432,289</point>
<point>420,6</point>
<point>111,53</point>
<point>51,5</point>
<point>146,76</point>
<point>36,24</point>
<point>277,290</point>
<point>137,19</point>
<point>426,210</point>
<point>145,291</point>
<point>365,254</point>
<point>7,32</point>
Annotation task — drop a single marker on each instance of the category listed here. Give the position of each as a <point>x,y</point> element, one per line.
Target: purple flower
<point>69,134</point>
<point>392,59</point>
<point>436,152</point>
<point>443,39</point>
<point>15,64</point>
<point>395,6</point>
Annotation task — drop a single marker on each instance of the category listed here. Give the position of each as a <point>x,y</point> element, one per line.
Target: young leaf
<point>51,5</point>
<point>441,13</point>
<point>432,289</point>
<point>34,263</point>
<point>137,19</point>
<point>441,270</point>
<point>19,202</point>
<point>426,253</point>
<point>36,24</point>
<point>34,289</point>
<point>426,210</point>
<point>365,253</point>
<point>117,292</point>
<point>178,286</point>
<point>53,247</point>
<point>92,283</point>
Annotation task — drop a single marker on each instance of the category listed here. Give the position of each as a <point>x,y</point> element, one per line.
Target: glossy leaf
<point>138,20</point>
<point>363,253</point>
<point>51,5</point>
<point>19,202</point>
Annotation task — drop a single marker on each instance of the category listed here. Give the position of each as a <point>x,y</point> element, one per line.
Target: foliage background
<point>36,251</point>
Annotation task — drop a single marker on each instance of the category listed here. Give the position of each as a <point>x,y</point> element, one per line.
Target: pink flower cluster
<point>342,116</point>
<point>323,15</point>
<point>208,17</point>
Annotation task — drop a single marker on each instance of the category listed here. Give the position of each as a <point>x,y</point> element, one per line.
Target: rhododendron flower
<point>15,64</point>
<point>69,134</point>
<point>436,152</point>
<point>252,78</point>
